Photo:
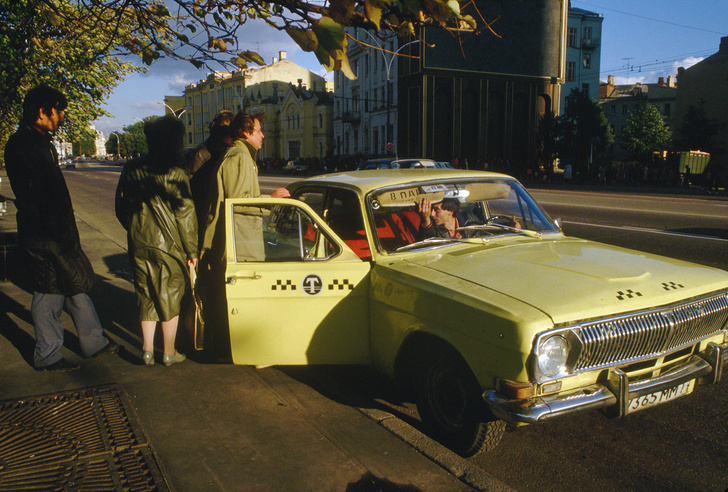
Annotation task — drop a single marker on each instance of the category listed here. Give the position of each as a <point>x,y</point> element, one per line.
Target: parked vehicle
<point>512,321</point>
<point>375,164</point>
<point>388,163</point>
<point>295,167</point>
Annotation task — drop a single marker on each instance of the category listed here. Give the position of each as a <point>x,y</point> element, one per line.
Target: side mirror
<point>559,223</point>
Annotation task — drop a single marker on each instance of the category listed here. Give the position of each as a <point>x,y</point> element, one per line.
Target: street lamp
<point>174,112</point>
<point>388,68</point>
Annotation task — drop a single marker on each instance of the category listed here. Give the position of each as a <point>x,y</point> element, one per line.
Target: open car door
<point>296,294</point>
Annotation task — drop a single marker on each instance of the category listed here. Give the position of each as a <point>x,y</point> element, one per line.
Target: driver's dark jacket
<point>47,232</point>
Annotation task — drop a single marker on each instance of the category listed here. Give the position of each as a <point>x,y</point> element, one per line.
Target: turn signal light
<point>515,390</point>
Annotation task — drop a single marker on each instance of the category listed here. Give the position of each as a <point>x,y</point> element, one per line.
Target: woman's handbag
<point>194,320</point>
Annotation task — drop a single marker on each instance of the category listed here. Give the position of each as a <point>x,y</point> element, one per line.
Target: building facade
<point>583,54</point>
<point>618,102</point>
<point>705,86</point>
<point>480,96</point>
<point>253,90</point>
<point>365,109</point>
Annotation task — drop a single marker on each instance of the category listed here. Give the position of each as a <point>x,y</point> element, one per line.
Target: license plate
<point>658,397</point>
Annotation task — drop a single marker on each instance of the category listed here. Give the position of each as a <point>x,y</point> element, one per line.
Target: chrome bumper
<point>707,367</point>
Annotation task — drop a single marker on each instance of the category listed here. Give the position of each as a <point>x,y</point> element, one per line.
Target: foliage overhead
<point>208,29</point>
<point>645,132</point>
<point>39,45</point>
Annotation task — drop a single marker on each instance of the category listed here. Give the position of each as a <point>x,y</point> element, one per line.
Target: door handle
<point>234,278</point>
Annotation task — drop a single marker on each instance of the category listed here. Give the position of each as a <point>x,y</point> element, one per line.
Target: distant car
<point>68,163</point>
<point>510,320</point>
<point>295,167</point>
<point>414,164</point>
<point>375,164</point>
<point>397,164</point>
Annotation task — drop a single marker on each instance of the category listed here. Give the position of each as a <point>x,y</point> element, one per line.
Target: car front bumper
<point>616,395</point>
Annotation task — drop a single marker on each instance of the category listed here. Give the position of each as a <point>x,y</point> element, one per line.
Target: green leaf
<point>304,38</point>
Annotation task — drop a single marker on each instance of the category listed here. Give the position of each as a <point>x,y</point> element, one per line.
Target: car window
<point>279,233</point>
<point>483,208</point>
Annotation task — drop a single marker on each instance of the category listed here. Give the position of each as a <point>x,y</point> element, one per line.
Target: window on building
<point>585,89</point>
<point>613,109</point>
<point>570,71</point>
<point>294,149</point>
<point>587,35</point>
<point>571,37</point>
<point>320,120</point>
<point>587,60</point>
<point>624,109</point>
<point>667,109</point>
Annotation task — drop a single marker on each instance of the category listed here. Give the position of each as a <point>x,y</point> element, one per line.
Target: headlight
<point>552,355</point>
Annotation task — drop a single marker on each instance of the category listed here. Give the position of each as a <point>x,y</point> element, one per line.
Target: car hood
<point>571,279</point>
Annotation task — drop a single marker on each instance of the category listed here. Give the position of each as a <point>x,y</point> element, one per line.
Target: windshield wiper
<point>525,232</point>
<point>440,240</point>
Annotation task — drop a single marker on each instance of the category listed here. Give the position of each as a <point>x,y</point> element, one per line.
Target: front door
<point>296,294</point>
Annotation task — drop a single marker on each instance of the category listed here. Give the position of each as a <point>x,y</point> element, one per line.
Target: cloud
<point>653,76</point>
<point>687,62</point>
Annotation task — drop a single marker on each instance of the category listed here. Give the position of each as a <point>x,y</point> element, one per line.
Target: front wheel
<point>451,408</point>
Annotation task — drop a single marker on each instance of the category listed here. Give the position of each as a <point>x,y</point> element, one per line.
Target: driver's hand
<point>516,224</point>
<point>424,208</point>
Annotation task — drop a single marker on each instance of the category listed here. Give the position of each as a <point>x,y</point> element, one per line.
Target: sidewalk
<point>222,427</point>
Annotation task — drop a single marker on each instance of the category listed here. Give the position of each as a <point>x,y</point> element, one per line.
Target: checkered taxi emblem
<point>341,285</point>
<point>628,294</point>
<point>283,285</point>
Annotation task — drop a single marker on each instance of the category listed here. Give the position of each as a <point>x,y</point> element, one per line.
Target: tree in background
<point>645,133</point>
<point>37,46</point>
<point>583,132</point>
<point>132,141</point>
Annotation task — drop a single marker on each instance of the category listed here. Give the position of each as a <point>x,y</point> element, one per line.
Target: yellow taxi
<point>503,318</point>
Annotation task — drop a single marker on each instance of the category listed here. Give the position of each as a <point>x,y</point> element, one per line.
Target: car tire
<point>449,403</point>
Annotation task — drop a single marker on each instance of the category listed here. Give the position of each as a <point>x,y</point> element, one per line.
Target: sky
<point>641,41</point>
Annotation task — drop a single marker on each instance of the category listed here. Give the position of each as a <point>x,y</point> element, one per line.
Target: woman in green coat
<point>154,204</point>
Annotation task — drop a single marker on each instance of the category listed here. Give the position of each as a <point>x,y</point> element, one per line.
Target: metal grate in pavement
<point>81,440</point>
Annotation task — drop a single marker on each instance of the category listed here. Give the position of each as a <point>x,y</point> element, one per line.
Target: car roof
<point>365,181</point>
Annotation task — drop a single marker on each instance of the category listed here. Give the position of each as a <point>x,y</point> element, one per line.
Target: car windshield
<point>459,211</point>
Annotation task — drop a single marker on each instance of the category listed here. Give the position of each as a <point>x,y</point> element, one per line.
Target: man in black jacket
<point>47,234</point>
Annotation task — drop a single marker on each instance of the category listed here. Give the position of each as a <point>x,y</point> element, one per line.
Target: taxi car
<point>514,321</point>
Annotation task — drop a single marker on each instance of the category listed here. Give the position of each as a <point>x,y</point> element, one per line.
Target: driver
<point>440,219</point>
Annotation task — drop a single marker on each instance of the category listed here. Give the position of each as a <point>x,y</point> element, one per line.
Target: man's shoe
<point>59,366</point>
<point>110,348</point>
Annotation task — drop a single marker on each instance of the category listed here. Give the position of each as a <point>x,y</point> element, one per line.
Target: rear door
<point>296,294</point>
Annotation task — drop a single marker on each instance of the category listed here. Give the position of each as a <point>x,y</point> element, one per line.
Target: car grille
<point>650,334</point>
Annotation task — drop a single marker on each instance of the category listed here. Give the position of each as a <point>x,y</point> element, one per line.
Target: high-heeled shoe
<point>148,358</point>
<point>170,359</point>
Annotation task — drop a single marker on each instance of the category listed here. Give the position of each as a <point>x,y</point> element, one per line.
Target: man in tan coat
<point>237,177</point>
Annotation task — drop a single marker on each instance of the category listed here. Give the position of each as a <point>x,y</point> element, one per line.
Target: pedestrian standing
<point>154,204</point>
<point>237,177</point>
<point>60,272</point>
<point>204,161</point>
